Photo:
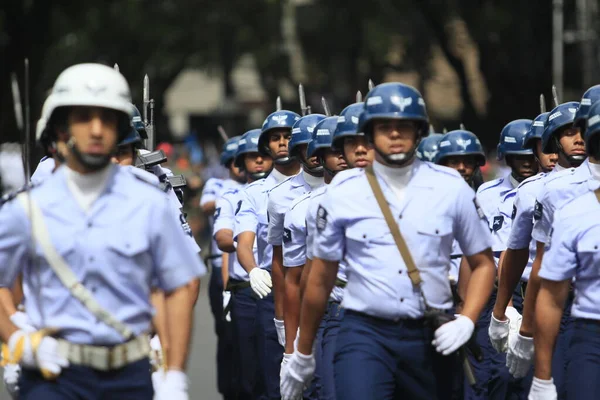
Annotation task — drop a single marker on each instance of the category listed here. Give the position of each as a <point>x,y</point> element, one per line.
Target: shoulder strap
<point>413,272</point>
<point>63,271</point>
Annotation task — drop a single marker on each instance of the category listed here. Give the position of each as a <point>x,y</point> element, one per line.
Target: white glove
<point>280,331</point>
<point>173,387</point>
<point>11,379</point>
<point>449,337</point>
<point>297,374</point>
<point>542,390</point>
<point>260,281</point>
<point>21,321</point>
<point>519,355</point>
<point>226,300</point>
<point>156,354</point>
<point>498,333</point>
<point>515,319</point>
<point>284,361</point>
<point>45,358</point>
<point>158,377</point>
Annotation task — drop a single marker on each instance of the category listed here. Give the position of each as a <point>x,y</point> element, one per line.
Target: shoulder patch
<point>321,219</point>
<point>497,223</point>
<point>514,212</point>
<point>185,226</point>
<point>538,211</point>
<point>287,235</point>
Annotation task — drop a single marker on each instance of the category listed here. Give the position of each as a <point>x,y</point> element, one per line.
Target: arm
<point>244,250</point>
<point>304,277</point>
<point>278,276</point>
<point>292,306</point>
<point>548,312</point>
<point>480,284</point>
<point>533,288</point>
<point>225,270</point>
<point>464,275</point>
<point>159,321</point>
<point>179,322</point>
<point>208,208</point>
<point>7,301</point>
<point>320,283</point>
<point>510,270</point>
<point>224,239</point>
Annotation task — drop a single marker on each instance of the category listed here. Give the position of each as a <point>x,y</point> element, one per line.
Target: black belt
<point>234,285</point>
<point>340,283</point>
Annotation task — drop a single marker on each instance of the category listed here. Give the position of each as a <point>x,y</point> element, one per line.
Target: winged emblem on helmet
<point>280,119</point>
<point>401,102</point>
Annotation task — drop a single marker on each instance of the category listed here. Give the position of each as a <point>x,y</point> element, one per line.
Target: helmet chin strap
<point>258,175</point>
<point>283,160</point>
<point>90,162</point>
<point>399,159</point>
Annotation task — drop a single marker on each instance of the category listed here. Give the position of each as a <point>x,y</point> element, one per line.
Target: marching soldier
<point>90,284</point>
<point>393,340</point>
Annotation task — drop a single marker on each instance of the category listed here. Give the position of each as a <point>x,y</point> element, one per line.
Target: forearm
<point>6,326</point>
<point>548,312</point>
<point>533,287</point>
<point>278,276</point>
<point>7,301</point>
<point>209,208</point>
<point>510,271</point>
<point>304,277</point>
<point>225,269</point>
<point>320,283</point>
<point>159,321</point>
<point>244,251</point>
<point>224,239</point>
<point>179,326</point>
<point>17,291</point>
<point>292,306</point>
<point>464,275</point>
<point>481,283</point>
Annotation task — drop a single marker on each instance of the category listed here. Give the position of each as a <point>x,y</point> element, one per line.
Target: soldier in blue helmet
<point>239,302</point>
<point>571,260</point>
<point>461,150</point>
<point>355,146</point>
<point>429,147</point>
<point>590,96</point>
<point>533,140</point>
<point>384,345</point>
<point>253,224</point>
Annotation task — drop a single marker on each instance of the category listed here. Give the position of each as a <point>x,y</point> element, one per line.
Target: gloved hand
<point>515,319</point>
<point>284,361</point>
<point>45,357</point>
<point>449,337</point>
<point>21,321</point>
<point>173,387</point>
<point>280,327</point>
<point>498,333</point>
<point>297,374</point>
<point>542,390</point>
<point>260,281</point>
<point>226,300</point>
<point>519,355</point>
<point>11,379</point>
<point>158,377</point>
<point>156,354</point>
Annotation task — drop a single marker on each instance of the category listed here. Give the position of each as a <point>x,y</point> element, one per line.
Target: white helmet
<point>41,124</point>
<point>93,85</point>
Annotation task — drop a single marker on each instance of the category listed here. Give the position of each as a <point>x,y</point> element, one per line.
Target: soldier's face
<point>334,160</point>
<point>278,142</point>
<point>394,137</point>
<point>465,165</point>
<point>571,141</point>
<point>358,151</point>
<point>124,155</point>
<point>547,161</point>
<point>94,129</point>
<point>255,162</point>
<point>237,173</point>
<point>312,162</point>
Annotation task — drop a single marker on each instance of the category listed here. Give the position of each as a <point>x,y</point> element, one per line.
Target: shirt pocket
<point>434,240</point>
<point>588,253</point>
<point>130,256</point>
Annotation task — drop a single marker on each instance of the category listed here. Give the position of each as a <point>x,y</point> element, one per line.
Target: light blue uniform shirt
<point>226,208</point>
<point>490,193</point>
<point>281,197</point>
<point>130,238</point>
<point>573,250</point>
<point>43,170</point>
<point>252,216</point>
<point>437,208</point>
<point>557,190</point>
<point>213,190</point>
<point>294,233</point>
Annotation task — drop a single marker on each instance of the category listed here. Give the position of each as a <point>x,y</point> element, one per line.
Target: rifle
<point>148,103</point>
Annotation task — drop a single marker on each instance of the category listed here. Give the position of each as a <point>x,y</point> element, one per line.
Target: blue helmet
<point>429,147</point>
<point>512,138</point>
<point>229,150</point>
<point>302,130</point>
<point>560,117</point>
<point>137,122</point>
<point>590,96</point>
<point>248,143</point>
<point>282,119</point>
<point>593,128</point>
<point>394,101</point>
<point>347,123</point>
<point>460,143</point>
<point>536,130</point>
<point>322,136</point>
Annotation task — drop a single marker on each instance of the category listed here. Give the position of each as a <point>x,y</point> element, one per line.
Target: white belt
<point>105,358</point>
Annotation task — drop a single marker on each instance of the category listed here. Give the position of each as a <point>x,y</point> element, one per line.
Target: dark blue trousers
<point>562,350</point>
<point>379,359</point>
<point>583,372</point>
<point>332,322</point>
<point>227,380</point>
<point>244,313</point>
<point>270,352</point>
<point>132,382</point>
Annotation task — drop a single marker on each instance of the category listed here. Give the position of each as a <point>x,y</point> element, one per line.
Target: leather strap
<point>67,277</point>
<point>413,272</point>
